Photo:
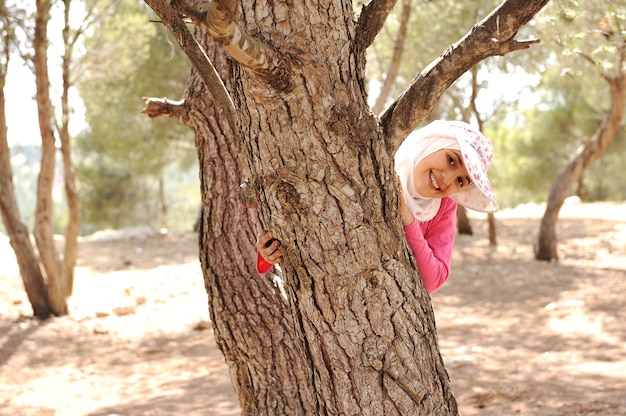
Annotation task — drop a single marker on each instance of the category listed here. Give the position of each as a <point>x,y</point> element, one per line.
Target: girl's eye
<point>451,160</point>
<point>463,181</point>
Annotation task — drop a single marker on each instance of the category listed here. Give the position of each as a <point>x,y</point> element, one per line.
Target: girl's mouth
<point>433,181</point>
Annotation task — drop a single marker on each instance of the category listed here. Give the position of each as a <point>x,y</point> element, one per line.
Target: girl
<point>438,166</point>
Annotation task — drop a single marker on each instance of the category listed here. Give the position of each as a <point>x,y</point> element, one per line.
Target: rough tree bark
<point>252,320</point>
<point>357,319</point>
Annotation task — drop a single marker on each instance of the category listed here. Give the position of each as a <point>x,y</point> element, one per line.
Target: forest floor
<point>518,336</point>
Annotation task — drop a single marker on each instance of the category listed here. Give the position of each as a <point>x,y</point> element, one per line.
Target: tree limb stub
<point>201,63</point>
<point>493,36</point>
<point>162,107</point>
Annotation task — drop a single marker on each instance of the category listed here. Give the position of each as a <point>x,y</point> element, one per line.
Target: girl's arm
<point>432,244</point>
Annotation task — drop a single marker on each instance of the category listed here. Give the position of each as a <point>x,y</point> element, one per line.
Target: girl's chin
<point>426,193</point>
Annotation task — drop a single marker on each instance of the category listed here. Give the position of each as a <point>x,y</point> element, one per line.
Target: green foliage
<point>123,153</point>
<point>586,33</point>
<point>111,196</point>
<point>574,95</point>
<point>543,138</point>
<point>25,161</point>
<point>572,99</point>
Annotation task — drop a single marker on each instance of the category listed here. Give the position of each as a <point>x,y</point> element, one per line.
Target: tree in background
<point>44,238</point>
<point>55,273</point>
<point>70,39</point>
<point>126,161</point>
<point>390,75</point>
<point>592,33</point>
<point>18,232</point>
<point>59,270</point>
<point>535,145</point>
<point>355,333</point>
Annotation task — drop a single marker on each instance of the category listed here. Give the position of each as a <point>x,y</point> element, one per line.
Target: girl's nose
<point>445,178</point>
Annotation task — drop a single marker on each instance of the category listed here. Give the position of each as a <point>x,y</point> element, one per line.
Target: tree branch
<point>162,107</point>
<point>173,21</point>
<point>371,21</point>
<point>491,37</point>
<point>219,20</point>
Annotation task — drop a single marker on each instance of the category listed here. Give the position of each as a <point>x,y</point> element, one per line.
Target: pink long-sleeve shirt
<point>432,242</point>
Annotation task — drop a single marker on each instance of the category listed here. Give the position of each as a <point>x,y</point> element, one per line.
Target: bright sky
<point>21,108</point>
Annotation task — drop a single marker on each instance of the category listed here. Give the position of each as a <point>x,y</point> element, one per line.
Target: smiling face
<point>440,174</point>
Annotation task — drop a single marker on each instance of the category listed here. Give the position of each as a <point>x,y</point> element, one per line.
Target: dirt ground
<point>518,336</point>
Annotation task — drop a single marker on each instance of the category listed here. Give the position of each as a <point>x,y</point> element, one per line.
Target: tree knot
<point>374,350</point>
<point>248,195</point>
<point>288,196</point>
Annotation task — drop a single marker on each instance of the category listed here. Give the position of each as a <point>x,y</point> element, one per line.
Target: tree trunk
<point>18,233</point>
<point>27,261</point>
<point>43,216</point>
<point>326,187</point>
<point>253,325</point>
<point>396,59</point>
<point>366,323</point>
<point>163,203</point>
<point>491,220</point>
<point>462,221</point>
<point>69,175</point>
<point>589,152</point>
<point>581,192</point>
<point>357,330</point>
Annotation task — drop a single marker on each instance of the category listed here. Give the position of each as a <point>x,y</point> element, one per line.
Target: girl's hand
<point>267,246</point>
<point>405,214</point>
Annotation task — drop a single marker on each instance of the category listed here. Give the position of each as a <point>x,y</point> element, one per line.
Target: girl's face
<point>440,174</point>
